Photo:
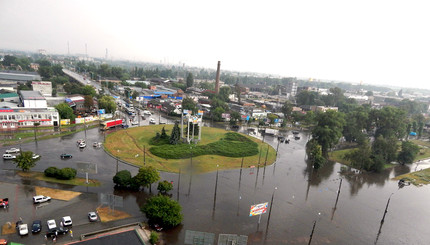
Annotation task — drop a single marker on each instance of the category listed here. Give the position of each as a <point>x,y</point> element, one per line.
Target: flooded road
<point>301,197</point>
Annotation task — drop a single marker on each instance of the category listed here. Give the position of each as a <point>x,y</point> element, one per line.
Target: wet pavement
<point>302,197</point>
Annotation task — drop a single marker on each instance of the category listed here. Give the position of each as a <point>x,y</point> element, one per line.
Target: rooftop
<point>31,95</point>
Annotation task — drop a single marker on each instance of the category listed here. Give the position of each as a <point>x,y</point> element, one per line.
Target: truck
<point>110,124</point>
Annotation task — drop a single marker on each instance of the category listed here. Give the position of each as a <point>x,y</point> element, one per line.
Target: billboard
<point>65,122</point>
<point>258,209</point>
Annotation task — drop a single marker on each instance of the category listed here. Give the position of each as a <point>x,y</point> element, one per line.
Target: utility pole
<point>312,233</point>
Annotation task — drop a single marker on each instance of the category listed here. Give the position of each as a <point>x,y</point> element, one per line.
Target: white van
<point>40,199</point>
<point>8,156</point>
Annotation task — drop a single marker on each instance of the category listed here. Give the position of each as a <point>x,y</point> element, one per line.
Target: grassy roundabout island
<point>217,147</point>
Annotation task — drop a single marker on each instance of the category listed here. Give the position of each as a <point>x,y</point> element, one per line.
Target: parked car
<point>97,144</point>
<point>151,120</point>
<point>23,229</point>
<point>35,156</point>
<point>295,132</point>
<point>146,112</point>
<point>3,242</point>
<point>65,155</point>
<point>36,226</point>
<point>296,137</point>
<point>8,156</point>
<point>13,150</point>
<point>66,221</point>
<point>82,145</point>
<point>40,199</point>
<point>92,216</point>
<point>57,231</point>
<point>51,224</point>
<point>4,203</point>
<point>80,141</point>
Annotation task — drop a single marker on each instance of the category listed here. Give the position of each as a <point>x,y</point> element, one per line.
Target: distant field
<point>128,145</point>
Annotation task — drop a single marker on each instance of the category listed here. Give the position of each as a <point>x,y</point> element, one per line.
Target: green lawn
<point>417,178</point>
<point>128,146</point>
<point>75,181</point>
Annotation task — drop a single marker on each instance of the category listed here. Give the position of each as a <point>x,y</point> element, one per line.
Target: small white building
<point>14,118</point>
<point>32,99</point>
<point>45,88</point>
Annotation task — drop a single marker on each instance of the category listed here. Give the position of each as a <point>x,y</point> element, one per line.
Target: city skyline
<point>380,43</point>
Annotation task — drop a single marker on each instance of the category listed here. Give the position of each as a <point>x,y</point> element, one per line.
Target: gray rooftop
<point>19,76</point>
<point>31,95</point>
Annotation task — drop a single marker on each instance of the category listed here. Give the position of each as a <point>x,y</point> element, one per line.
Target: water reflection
<point>358,179</point>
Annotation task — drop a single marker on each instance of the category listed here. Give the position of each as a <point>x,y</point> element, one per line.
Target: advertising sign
<point>101,111</point>
<point>199,112</point>
<point>258,209</point>
<point>65,122</point>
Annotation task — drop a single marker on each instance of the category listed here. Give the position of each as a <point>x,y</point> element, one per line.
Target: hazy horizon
<point>378,43</point>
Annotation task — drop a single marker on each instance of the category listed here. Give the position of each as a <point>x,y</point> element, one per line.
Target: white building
<point>32,99</point>
<point>13,118</point>
<point>45,88</point>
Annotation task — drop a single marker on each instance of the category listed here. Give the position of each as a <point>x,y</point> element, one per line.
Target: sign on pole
<point>258,209</point>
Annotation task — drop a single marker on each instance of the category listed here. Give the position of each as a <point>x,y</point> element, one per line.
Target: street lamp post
<point>117,161</point>
<point>19,144</point>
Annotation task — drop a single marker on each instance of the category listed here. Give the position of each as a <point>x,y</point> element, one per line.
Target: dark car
<point>281,138</point>
<point>64,155</point>
<point>295,132</point>
<point>57,231</point>
<point>296,137</point>
<point>36,226</point>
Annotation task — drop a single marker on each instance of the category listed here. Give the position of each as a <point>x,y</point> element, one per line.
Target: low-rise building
<point>32,99</point>
<point>14,118</point>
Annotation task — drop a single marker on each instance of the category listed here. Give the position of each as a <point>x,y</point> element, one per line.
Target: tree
<point>328,130</point>
<point>108,103</point>
<point>190,80</point>
<point>122,178</point>
<point>134,94</point>
<point>164,186</point>
<point>65,111</point>
<point>389,122</point>
<point>163,134</point>
<point>272,118</point>
<point>88,90</point>
<point>234,117</point>
<point>45,71</point>
<point>217,114</point>
<point>88,102</point>
<point>224,93</point>
<point>369,93</point>
<point>146,176</point>
<point>360,158</point>
<point>314,151</point>
<point>153,238</point>
<point>176,134</point>
<point>25,160</point>
<point>163,210</point>
<point>408,153</point>
<point>386,148</point>
<point>189,104</point>
<point>287,108</point>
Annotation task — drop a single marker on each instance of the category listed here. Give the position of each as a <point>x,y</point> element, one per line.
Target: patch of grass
<point>6,229</point>
<point>338,156</point>
<point>106,214</point>
<point>75,181</point>
<point>56,193</point>
<point>421,177</point>
<point>128,145</point>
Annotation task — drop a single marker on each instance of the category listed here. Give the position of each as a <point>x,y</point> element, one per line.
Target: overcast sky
<point>376,42</point>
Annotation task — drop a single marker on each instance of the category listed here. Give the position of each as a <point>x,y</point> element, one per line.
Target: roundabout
<point>218,149</point>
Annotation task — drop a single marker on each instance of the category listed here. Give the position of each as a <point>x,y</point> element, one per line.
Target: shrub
<point>164,186</point>
<point>67,173</point>
<point>51,172</point>
<point>122,178</point>
<point>153,238</point>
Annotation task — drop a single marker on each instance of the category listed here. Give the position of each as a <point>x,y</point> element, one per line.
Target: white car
<point>23,229</point>
<point>40,199</point>
<point>66,221</point>
<point>92,216</point>
<point>12,150</point>
<point>51,224</point>
<point>152,121</point>
<point>8,156</point>
<point>35,156</point>
<point>147,113</point>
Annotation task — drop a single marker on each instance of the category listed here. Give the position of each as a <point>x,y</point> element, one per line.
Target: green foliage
<point>232,145</point>
<point>328,130</point>
<point>217,114</point>
<point>234,117</point>
<point>25,160</point>
<point>360,158</point>
<point>176,134</point>
<point>164,186</point>
<point>67,173</point>
<point>163,210</point>
<point>163,135</point>
<point>314,151</point>
<point>147,176</point>
<point>190,80</point>
<point>189,104</point>
<point>389,122</point>
<point>122,178</point>
<point>51,172</point>
<point>286,109</point>
<point>65,111</point>
<point>108,103</point>
<point>153,238</point>
<point>386,149</point>
<point>408,153</point>
<point>224,92</point>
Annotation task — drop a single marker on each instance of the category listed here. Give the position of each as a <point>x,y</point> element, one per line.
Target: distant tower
<point>106,54</point>
<point>217,78</point>
<point>86,53</point>
<point>68,49</point>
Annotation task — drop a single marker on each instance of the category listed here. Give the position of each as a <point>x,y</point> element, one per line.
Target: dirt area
<point>106,214</point>
<point>6,229</point>
<point>56,193</point>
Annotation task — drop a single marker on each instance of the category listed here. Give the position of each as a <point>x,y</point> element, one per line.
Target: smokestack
<point>217,78</point>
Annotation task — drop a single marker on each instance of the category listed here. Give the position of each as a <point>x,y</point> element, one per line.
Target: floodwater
<point>302,196</point>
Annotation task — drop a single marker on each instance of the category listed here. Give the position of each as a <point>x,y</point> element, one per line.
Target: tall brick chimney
<point>217,78</point>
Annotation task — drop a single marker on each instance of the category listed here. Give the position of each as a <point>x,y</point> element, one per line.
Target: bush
<point>67,173</point>
<point>164,186</point>
<point>51,172</point>
<point>122,178</point>
<point>153,238</point>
